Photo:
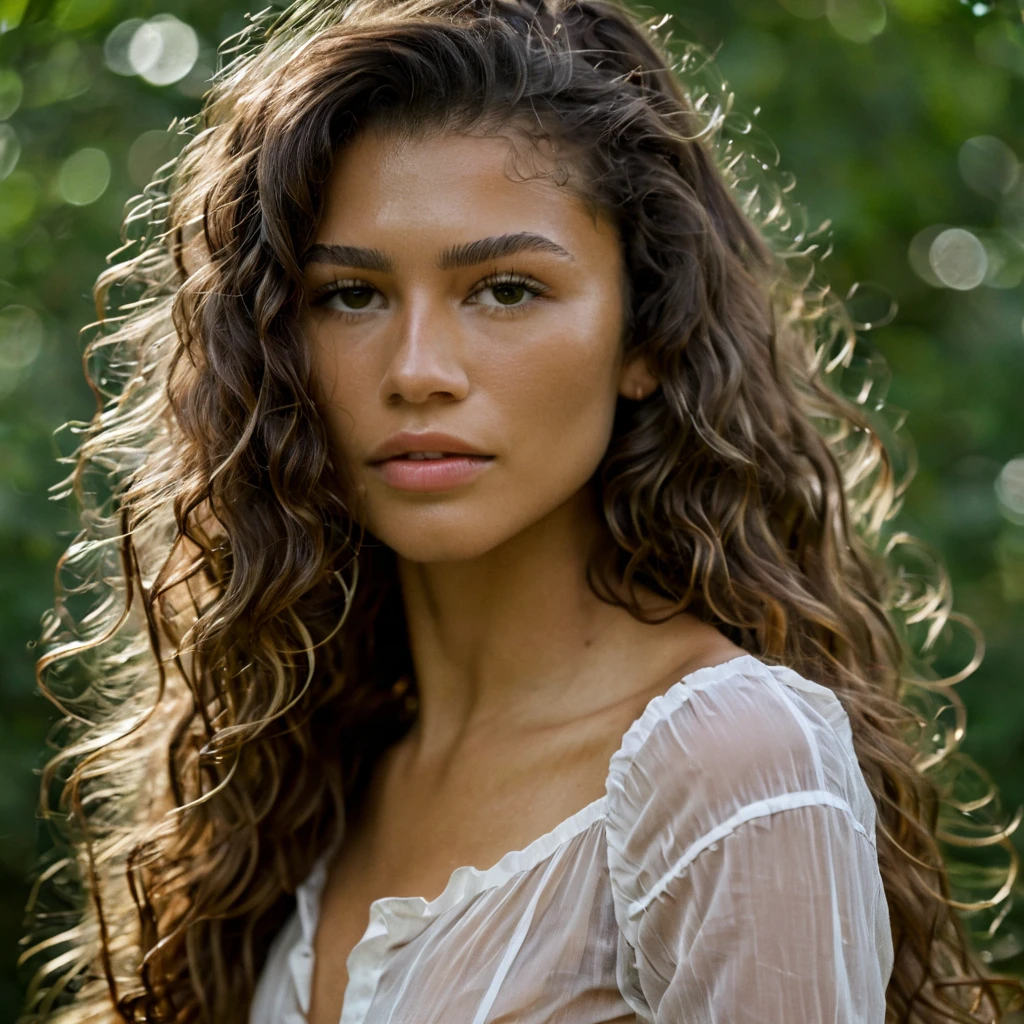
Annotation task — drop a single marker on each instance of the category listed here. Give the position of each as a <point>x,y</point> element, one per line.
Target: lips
<point>424,445</point>
<point>428,456</point>
<point>408,473</point>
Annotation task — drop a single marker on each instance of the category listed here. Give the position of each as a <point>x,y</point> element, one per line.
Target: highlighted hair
<point>240,660</point>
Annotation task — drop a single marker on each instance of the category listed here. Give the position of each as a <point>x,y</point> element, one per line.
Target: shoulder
<point>725,745</point>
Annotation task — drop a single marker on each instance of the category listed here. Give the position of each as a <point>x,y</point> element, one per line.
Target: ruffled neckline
<point>465,881</point>
<point>468,881</point>
<point>402,918</point>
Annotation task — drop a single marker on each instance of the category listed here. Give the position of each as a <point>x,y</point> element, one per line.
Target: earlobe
<point>636,381</point>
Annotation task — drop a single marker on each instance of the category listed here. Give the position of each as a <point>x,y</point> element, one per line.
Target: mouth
<point>431,471</point>
<point>431,457</point>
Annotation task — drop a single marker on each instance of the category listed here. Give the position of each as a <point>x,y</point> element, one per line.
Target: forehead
<point>392,181</point>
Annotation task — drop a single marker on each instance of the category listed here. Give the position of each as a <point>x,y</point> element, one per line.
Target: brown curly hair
<point>207,670</point>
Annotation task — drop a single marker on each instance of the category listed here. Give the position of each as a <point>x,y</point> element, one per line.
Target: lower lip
<point>431,474</point>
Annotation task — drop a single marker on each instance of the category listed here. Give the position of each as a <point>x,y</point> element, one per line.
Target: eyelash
<point>324,294</point>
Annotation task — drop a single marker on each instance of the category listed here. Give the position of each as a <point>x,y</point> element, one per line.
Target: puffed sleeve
<point>741,845</point>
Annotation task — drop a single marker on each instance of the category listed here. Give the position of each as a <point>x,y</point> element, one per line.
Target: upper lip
<point>428,441</point>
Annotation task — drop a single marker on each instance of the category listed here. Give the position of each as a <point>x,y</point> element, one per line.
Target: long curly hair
<point>227,645</point>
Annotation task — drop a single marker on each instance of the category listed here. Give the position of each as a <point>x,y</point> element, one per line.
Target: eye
<point>348,297</point>
<point>504,291</point>
<point>508,291</point>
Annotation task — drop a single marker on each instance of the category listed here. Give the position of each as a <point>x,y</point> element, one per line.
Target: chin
<point>439,536</point>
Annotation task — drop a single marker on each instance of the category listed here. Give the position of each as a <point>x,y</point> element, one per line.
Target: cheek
<point>340,381</point>
<point>341,387</point>
<point>561,396</point>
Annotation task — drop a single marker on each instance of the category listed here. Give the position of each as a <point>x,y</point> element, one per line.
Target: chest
<point>408,839</point>
<point>533,939</point>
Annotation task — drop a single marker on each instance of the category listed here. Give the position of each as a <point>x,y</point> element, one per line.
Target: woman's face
<point>446,295</point>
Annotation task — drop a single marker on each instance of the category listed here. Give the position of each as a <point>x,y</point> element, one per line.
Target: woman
<point>470,487</point>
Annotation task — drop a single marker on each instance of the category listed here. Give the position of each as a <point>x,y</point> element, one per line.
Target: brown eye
<point>509,294</point>
<point>351,296</point>
<point>508,291</point>
<point>355,298</point>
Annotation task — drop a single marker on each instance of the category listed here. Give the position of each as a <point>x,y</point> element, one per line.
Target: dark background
<point>900,120</point>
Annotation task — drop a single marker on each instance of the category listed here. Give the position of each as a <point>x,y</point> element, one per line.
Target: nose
<point>427,359</point>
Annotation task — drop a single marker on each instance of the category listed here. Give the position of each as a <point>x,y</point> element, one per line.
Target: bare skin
<point>526,680</point>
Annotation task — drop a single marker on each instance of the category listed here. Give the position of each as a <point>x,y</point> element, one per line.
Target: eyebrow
<point>469,254</point>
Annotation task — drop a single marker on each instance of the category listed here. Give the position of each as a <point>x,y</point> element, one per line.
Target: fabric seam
<point>750,812</point>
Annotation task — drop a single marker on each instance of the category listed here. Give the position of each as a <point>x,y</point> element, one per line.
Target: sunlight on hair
<point>200,654</point>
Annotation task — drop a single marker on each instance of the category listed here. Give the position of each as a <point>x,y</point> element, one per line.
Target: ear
<point>636,380</point>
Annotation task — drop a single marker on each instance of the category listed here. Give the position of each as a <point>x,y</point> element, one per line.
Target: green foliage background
<point>870,106</point>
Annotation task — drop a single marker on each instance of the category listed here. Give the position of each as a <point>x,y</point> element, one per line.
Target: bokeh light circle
<point>115,49</point>
<point>1005,255</point>
<point>84,177</point>
<point>11,92</point>
<point>805,8</point>
<point>919,253</point>
<point>958,259</point>
<point>988,165</point>
<point>163,50</point>
<point>10,150</point>
<point>857,20</point>
<point>1010,489</point>
<point>21,337</point>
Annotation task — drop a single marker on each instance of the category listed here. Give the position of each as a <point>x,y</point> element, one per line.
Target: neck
<point>515,635</point>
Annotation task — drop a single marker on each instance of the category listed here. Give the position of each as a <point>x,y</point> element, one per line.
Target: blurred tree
<point>900,119</point>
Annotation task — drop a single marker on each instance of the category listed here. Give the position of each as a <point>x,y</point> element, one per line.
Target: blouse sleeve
<point>742,859</point>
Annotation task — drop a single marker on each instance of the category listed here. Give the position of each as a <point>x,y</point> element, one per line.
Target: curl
<point>239,667</point>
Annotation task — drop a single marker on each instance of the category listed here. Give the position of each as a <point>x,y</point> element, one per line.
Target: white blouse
<point>727,876</point>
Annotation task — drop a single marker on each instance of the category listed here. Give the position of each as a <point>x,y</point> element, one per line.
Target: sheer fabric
<point>727,876</point>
